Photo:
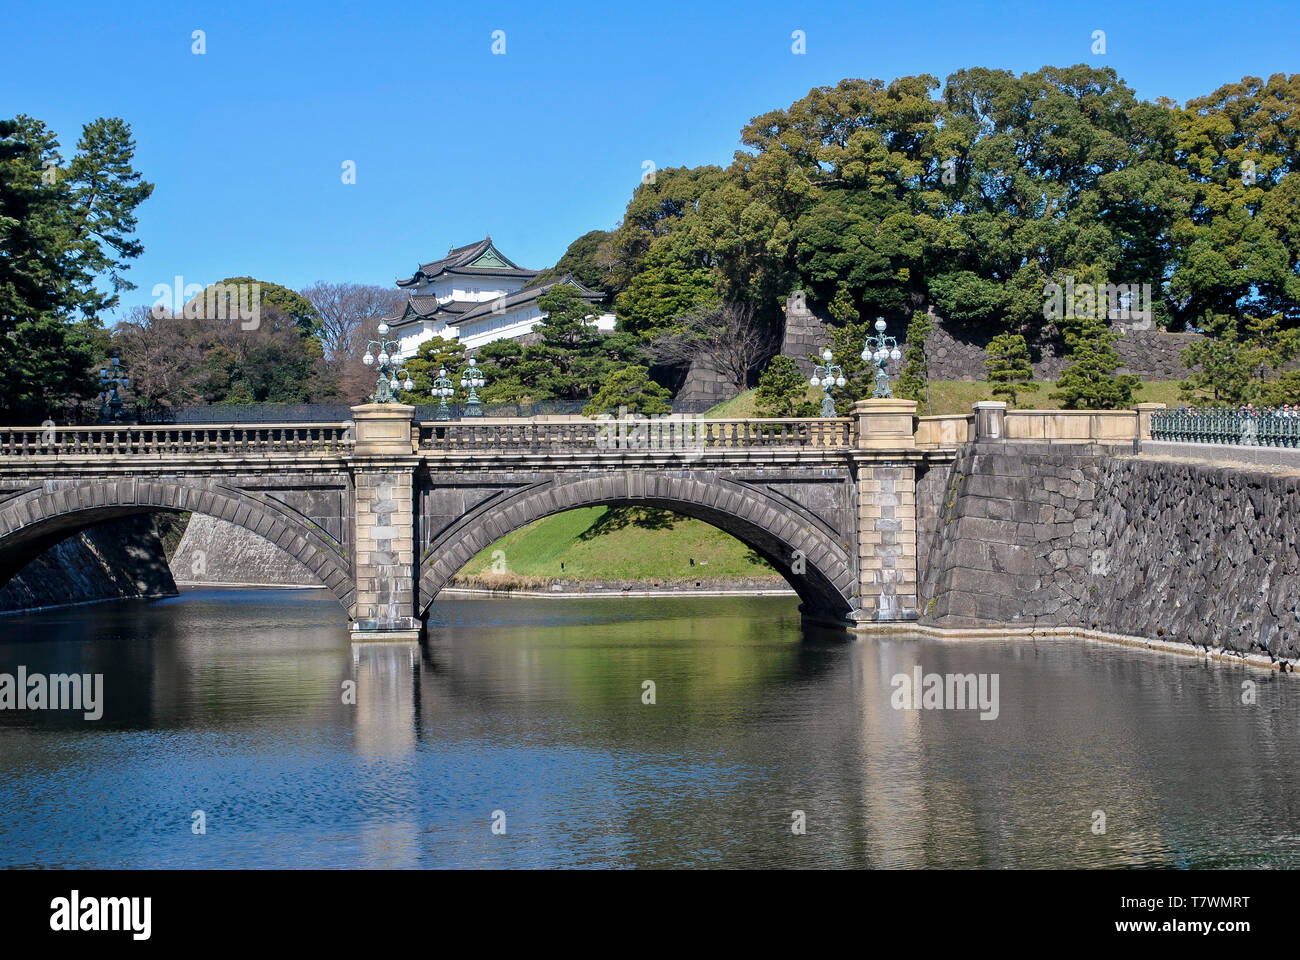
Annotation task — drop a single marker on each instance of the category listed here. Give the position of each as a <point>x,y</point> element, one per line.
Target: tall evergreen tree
<point>1009,368</point>
<point>66,240</point>
<point>914,380</point>
<point>1090,381</point>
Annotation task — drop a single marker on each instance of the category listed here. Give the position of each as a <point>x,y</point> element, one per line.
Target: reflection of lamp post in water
<point>471,379</point>
<point>827,375</point>
<point>442,389</point>
<point>390,368</point>
<point>881,349</point>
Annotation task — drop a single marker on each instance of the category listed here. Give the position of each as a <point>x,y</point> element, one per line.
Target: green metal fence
<point>1255,428</point>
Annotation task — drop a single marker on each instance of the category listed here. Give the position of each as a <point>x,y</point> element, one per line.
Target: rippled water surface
<point>232,703</point>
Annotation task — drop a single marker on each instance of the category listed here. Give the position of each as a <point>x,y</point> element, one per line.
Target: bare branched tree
<point>163,357</point>
<point>356,380</point>
<point>175,360</point>
<point>725,336</point>
<point>344,307</point>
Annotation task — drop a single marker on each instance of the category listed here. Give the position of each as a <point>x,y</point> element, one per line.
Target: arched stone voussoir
<point>810,558</point>
<point>38,518</point>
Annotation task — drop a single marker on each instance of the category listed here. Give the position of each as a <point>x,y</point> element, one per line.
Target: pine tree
<point>914,380</point>
<point>1224,370</point>
<point>1090,382</point>
<point>783,391</point>
<point>629,390</point>
<point>63,230</point>
<point>433,355</point>
<point>1009,367</point>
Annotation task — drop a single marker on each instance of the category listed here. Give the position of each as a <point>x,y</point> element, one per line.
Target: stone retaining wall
<point>1197,551</point>
<point>114,560</point>
<point>705,386</point>
<point>216,551</point>
<point>954,352</point>
<point>804,337</point>
<point>1151,354</point>
<point>1080,535</point>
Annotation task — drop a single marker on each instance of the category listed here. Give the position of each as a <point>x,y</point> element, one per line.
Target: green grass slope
<point>604,543</point>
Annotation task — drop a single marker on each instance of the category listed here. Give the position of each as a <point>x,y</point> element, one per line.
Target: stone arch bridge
<point>385,510</point>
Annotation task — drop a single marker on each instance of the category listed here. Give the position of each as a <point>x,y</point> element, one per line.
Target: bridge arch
<point>33,520</point>
<point>782,532</point>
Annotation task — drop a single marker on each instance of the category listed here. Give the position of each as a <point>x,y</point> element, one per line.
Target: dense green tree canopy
<point>966,195</point>
<point>972,195</point>
<point>588,260</point>
<point>66,241</point>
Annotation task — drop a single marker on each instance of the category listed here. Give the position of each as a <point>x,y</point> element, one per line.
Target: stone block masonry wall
<point>1152,354</point>
<point>217,551</point>
<point>934,488</point>
<point>114,560</point>
<point>1013,537</point>
<point>887,542</point>
<point>1077,535</point>
<point>1185,551</point>
<point>385,560</point>
<point>705,386</point>
<point>805,337</point>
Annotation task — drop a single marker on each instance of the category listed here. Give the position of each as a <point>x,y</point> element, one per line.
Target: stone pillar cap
<point>380,409</point>
<point>990,404</point>
<point>384,429</point>
<point>884,405</point>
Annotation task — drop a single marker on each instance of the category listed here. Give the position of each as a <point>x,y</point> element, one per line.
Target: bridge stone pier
<point>385,510</point>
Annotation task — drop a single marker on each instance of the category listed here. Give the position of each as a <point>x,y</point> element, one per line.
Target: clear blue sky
<point>245,143</point>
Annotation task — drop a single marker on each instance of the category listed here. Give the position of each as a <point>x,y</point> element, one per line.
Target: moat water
<point>531,715</point>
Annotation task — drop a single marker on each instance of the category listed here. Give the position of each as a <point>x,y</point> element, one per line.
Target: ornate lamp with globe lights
<point>112,378</point>
<point>390,368</point>
<point>471,379</point>
<point>880,349</point>
<point>827,375</point>
<point>442,389</point>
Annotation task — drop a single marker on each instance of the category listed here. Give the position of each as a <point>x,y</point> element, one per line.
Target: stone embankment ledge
<point>1211,654</point>
<point>586,589</point>
<point>1282,458</point>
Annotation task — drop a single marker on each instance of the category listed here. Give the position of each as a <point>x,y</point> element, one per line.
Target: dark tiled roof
<point>526,295</point>
<point>459,257</point>
<point>426,307</point>
<point>423,303</point>
<point>420,307</point>
<point>492,272</point>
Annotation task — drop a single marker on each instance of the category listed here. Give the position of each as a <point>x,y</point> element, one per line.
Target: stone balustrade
<point>667,433</point>
<point>195,440</point>
<point>581,434</point>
